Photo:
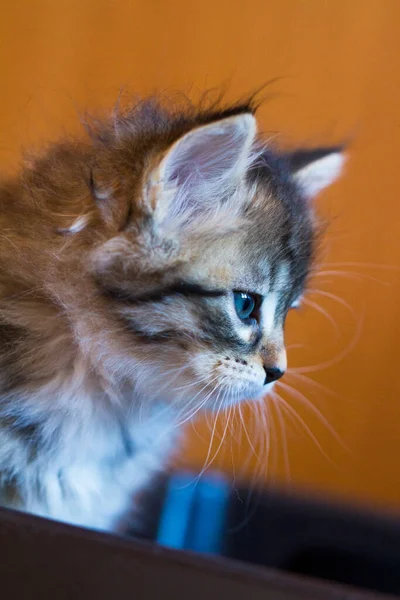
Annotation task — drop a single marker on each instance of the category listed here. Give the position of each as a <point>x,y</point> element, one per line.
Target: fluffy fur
<point>119,255</point>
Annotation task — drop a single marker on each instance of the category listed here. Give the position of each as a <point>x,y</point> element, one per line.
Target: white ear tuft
<point>203,166</point>
<point>319,172</point>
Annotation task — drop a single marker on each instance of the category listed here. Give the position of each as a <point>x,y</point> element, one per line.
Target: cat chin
<point>266,391</point>
<point>248,395</point>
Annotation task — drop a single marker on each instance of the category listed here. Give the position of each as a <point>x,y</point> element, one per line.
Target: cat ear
<point>314,170</point>
<point>202,166</point>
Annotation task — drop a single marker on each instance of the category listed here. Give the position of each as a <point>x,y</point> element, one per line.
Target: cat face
<point>215,251</point>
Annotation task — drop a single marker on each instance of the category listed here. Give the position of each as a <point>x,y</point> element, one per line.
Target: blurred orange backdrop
<point>339,69</point>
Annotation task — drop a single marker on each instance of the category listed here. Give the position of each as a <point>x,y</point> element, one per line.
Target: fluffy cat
<point>145,275</point>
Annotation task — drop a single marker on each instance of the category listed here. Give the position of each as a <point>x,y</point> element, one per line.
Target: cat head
<point>204,241</point>
<point>211,236</point>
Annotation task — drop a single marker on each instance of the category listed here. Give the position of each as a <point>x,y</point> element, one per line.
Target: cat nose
<point>272,374</point>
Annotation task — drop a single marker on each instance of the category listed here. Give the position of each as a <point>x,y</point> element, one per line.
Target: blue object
<point>177,510</point>
<point>205,530</point>
<point>194,513</point>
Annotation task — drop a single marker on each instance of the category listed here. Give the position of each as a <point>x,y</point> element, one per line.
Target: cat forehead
<point>238,265</point>
<point>261,278</point>
<point>268,243</point>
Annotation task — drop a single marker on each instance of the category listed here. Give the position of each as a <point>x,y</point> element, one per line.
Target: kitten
<point>145,275</point>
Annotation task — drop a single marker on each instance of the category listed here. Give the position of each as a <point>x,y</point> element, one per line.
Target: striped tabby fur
<point>119,256</point>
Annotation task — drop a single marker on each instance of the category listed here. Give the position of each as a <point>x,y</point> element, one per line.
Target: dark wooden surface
<point>44,560</point>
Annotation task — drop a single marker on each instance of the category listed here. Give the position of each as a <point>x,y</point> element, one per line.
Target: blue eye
<point>244,304</point>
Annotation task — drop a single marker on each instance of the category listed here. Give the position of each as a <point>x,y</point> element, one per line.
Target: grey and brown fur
<point>119,255</point>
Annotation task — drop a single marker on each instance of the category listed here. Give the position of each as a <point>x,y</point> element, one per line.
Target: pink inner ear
<point>203,167</point>
<point>211,153</point>
<point>202,160</point>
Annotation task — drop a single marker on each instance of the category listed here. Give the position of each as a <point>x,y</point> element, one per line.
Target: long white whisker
<point>192,384</point>
<point>200,405</point>
<point>284,440</point>
<point>350,275</point>
<point>170,408</point>
<point>332,297</point>
<point>312,382</point>
<point>247,435</point>
<point>302,398</point>
<point>295,417</point>
<point>322,311</point>
<point>362,264</point>
<point>208,461</point>
<point>336,359</point>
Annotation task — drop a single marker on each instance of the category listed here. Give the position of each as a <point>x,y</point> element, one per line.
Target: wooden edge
<point>45,559</point>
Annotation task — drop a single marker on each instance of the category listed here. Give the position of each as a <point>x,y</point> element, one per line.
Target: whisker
<point>292,346</point>
<point>284,441</point>
<point>336,359</point>
<point>350,275</point>
<point>208,461</point>
<point>202,403</point>
<point>296,394</point>
<point>362,264</point>
<point>247,435</point>
<point>295,417</point>
<point>321,310</point>
<point>192,384</point>
<point>252,488</point>
<point>312,382</point>
<point>272,439</point>
<point>171,406</point>
<point>333,297</point>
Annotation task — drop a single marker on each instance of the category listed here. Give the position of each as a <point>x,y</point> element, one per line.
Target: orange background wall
<point>339,64</point>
